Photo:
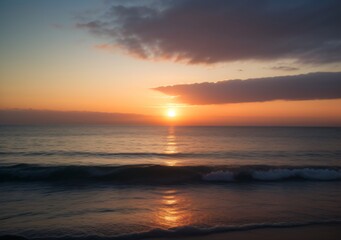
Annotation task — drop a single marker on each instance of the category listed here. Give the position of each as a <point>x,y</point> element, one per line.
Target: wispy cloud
<point>284,68</point>
<point>324,85</point>
<point>201,31</point>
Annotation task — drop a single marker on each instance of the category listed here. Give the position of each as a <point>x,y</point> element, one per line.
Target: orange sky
<point>60,68</point>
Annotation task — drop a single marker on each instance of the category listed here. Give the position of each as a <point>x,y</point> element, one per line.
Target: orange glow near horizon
<point>273,113</point>
<point>51,87</point>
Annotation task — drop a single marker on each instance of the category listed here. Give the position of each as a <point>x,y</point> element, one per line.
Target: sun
<point>171,113</point>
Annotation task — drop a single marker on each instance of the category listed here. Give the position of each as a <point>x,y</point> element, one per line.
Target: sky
<point>211,62</point>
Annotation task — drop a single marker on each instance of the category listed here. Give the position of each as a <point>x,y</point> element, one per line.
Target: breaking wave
<point>159,174</point>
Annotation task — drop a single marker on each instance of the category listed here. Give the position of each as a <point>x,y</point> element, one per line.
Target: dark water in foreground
<point>136,182</point>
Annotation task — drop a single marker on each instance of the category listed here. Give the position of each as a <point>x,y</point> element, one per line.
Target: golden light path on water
<point>174,210</point>
<point>171,146</point>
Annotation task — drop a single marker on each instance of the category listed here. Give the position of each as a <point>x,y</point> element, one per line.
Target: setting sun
<point>190,119</point>
<point>171,113</point>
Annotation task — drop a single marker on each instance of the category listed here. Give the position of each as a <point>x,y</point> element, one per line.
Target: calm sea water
<point>138,182</point>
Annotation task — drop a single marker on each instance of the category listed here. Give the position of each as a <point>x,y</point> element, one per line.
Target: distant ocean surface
<point>141,182</point>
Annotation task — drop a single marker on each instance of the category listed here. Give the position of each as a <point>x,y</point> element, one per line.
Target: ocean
<point>103,182</point>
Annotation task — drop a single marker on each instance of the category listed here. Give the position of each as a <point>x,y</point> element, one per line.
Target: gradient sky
<point>113,56</point>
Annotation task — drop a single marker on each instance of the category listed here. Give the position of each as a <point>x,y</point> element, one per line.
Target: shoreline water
<point>325,231</point>
<point>312,232</point>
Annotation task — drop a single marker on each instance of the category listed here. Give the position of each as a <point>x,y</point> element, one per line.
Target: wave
<point>159,174</point>
<point>215,154</point>
<point>187,231</point>
<point>276,175</point>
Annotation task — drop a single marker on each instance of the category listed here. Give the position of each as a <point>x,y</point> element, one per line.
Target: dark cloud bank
<point>35,117</point>
<point>210,31</point>
<point>324,85</point>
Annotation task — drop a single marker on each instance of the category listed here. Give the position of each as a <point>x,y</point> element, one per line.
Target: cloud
<point>284,68</point>
<point>27,116</point>
<point>323,85</point>
<point>201,31</point>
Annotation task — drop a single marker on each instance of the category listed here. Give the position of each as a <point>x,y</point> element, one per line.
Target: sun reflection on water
<point>174,211</point>
<point>171,146</point>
